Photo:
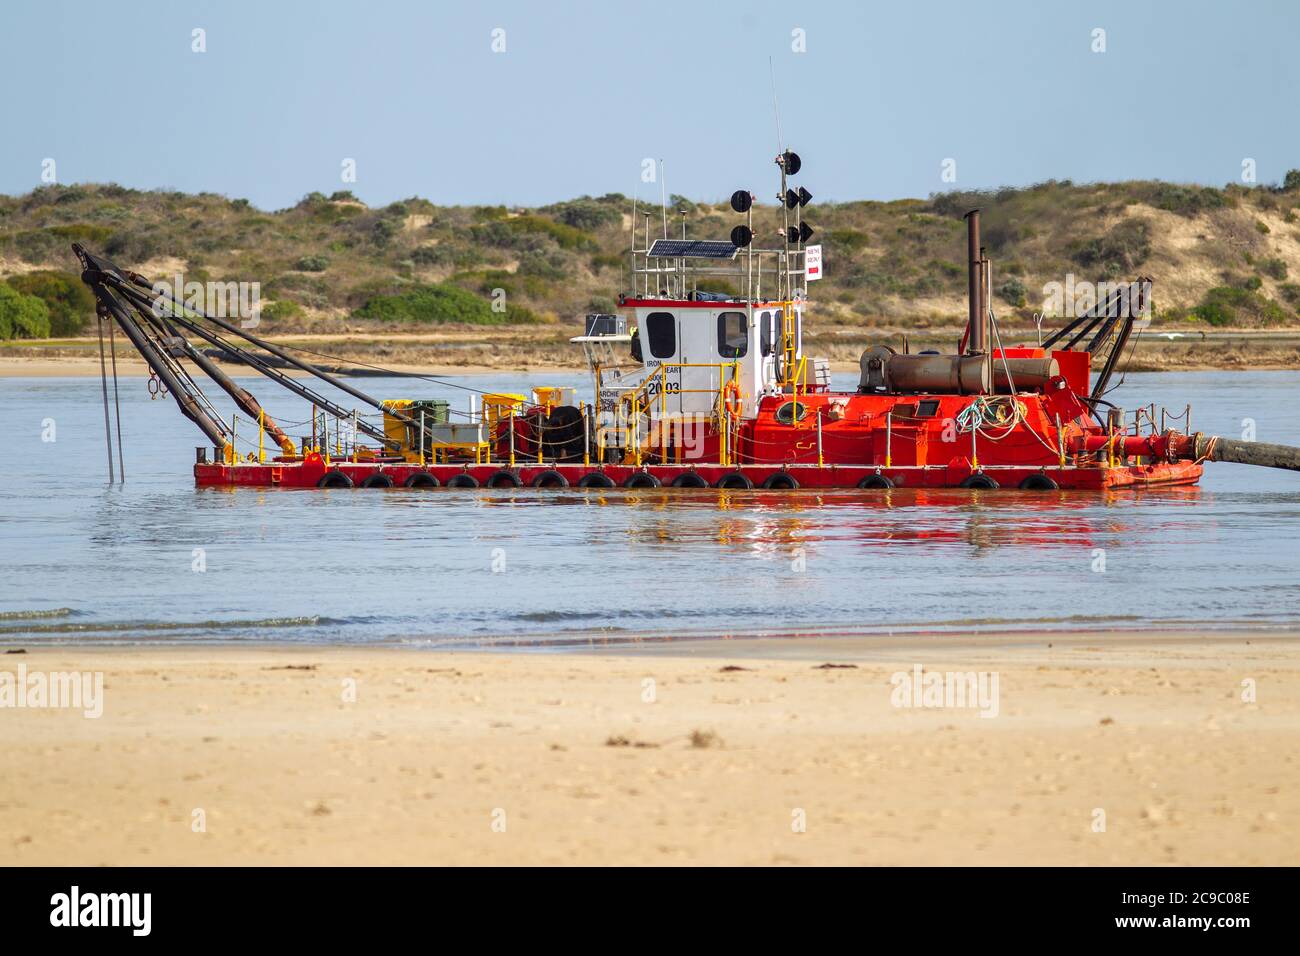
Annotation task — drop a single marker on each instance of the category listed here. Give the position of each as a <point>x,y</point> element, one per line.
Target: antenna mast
<point>783,277</point>
<point>635,190</point>
<point>663,196</point>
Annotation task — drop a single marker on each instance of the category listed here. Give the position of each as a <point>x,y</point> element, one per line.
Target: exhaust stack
<point>975,282</point>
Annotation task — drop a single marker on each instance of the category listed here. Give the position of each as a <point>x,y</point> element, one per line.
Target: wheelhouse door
<point>698,357</point>
<point>662,347</point>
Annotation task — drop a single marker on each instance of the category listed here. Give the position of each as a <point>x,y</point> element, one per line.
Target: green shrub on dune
<point>436,304</point>
<point>281,310</point>
<point>1121,250</point>
<point>22,316</point>
<point>69,301</point>
<point>1013,292</point>
<point>566,237</point>
<point>1273,267</point>
<point>81,232</point>
<point>136,247</point>
<point>588,215</point>
<point>1231,305</point>
<point>1185,200</point>
<point>849,239</point>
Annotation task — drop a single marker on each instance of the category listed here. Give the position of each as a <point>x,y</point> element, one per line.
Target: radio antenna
<point>776,108</point>
<point>663,197</point>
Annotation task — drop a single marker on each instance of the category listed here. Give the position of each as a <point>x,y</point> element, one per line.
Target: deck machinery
<point>701,380</point>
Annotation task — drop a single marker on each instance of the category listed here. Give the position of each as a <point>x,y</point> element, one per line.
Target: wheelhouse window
<point>661,333</point>
<point>765,333</point>
<point>733,335</point>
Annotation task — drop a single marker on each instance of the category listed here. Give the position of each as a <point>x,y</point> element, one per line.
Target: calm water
<point>113,564</point>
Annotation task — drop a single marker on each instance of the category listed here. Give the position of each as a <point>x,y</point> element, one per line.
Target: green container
<point>436,411</point>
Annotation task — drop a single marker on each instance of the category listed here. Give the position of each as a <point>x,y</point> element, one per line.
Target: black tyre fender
<point>463,480</point>
<point>1039,482</point>
<point>550,478</point>
<point>980,480</point>
<point>421,479</point>
<point>642,479</point>
<point>377,480</point>
<point>734,480</point>
<point>689,479</point>
<point>596,479</point>
<point>335,479</point>
<point>876,482</point>
<point>781,481</point>
<point>503,479</point>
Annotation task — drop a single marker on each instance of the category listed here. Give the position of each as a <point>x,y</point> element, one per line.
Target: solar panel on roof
<point>692,249</point>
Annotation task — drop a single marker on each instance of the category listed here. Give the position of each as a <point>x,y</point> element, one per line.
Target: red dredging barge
<point>698,389</point>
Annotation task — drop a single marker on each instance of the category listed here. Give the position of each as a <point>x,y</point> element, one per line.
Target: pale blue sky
<point>585,90</point>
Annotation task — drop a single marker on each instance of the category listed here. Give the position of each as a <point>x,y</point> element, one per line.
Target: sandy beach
<point>1105,749</point>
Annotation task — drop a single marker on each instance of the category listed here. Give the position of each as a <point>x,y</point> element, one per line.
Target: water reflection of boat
<point>777,523</point>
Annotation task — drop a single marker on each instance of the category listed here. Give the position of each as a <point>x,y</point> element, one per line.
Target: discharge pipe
<point>1175,446</point>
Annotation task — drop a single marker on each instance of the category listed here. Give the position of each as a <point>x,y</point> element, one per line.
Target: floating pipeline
<point>1197,447</point>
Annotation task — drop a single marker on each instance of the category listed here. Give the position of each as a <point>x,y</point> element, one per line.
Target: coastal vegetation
<point>1220,257</point>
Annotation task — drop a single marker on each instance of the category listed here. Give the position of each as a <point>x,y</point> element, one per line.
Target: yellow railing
<point>789,344</point>
<point>800,376</point>
<point>640,401</point>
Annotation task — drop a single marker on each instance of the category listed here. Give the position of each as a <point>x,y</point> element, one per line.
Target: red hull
<point>297,474</point>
